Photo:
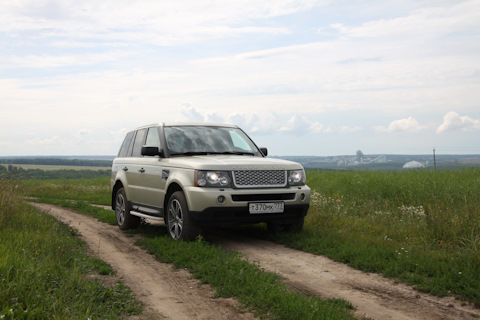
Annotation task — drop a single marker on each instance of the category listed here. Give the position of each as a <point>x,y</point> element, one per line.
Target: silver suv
<point>194,175</point>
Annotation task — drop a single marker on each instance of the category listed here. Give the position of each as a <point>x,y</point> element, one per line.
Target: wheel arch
<point>172,188</point>
<point>118,185</point>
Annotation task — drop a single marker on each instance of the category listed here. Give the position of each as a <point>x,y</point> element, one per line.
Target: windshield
<point>208,140</point>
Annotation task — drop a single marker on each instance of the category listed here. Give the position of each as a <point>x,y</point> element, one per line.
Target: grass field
<point>420,227</point>
<point>53,167</point>
<point>261,292</point>
<point>46,271</point>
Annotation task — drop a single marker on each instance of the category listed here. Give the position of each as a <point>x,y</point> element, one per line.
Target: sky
<point>301,77</point>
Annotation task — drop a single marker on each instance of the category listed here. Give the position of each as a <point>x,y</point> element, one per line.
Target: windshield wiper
<point>204,153</point>
<point>240,153</point>
<point>190,153</point>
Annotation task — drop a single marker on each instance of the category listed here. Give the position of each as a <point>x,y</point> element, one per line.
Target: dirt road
<point>374,296</point>
<point>173,294</point>
<point>166,293</point>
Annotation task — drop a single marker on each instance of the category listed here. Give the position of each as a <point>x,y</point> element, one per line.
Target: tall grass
<point>422,227</point>
<point>44,268</point>
<point>430,208</point>
<point>229,273</point>
<point>96,190</point>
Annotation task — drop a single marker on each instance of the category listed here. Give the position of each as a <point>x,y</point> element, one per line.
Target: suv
<point>194,175</point>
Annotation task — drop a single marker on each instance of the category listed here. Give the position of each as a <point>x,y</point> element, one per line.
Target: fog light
<point>221,199</point>
<point>302,196</point>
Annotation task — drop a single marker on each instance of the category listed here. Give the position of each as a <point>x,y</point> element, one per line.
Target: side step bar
<point>142,215</point>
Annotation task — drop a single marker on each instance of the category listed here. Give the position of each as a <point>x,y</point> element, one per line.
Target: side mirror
<point>264,151</point>
<point>151,151</point>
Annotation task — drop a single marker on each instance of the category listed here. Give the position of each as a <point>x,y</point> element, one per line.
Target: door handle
<point>142,170</point>
<point>125,169</point>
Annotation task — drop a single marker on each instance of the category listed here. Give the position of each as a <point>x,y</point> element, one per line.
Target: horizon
<point>298,76</point>
<point>295,155</point>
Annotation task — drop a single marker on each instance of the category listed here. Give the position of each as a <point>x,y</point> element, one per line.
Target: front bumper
<point>206,209</point>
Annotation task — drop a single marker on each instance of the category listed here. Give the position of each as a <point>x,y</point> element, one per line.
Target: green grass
<point>96,190</point>
<point>422,227</point>
<point>47,167</point>
<point>45,269</point>
<point>233,276</point>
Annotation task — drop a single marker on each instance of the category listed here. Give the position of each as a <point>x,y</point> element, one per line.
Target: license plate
<point>266,207</point>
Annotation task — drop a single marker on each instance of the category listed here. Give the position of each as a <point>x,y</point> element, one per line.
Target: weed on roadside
<point>43,266</point>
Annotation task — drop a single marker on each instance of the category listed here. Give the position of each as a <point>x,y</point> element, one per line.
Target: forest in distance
<point>359,161</point>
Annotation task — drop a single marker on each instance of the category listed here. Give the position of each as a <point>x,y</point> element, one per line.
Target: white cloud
<point>264,123</point>
<point>165,22</point>
<point>434,20</point>
<point>191,114</point>
<point>83,133</point>
<point>403,125</point>
<point>347,129</point>
<point>58,61</point>
<point>109,65</point>
<point>50,141</point>
<point>452,121</point>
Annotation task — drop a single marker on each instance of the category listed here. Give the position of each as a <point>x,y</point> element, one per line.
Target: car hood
<point>230,162</point>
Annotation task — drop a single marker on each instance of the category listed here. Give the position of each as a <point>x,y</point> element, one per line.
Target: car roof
<point>183,124</point>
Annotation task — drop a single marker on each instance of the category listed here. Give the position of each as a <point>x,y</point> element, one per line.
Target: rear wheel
<point>125,220</point>
<point>178,221</point>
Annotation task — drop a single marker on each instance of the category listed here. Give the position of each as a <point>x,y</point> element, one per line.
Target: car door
<point>152,191</point>
<point>134,171</point>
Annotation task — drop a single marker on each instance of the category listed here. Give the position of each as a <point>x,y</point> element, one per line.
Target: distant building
<point>413,165</point>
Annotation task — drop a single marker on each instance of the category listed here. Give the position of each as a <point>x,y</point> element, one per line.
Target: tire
<point>178,222</point>
<point>125,220</point>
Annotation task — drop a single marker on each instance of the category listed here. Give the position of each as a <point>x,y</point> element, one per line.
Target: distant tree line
<point>13,172</point>
<point>58,162</point>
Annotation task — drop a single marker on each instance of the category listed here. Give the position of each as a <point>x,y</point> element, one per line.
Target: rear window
<point>139,143</point>
<point>125,146</point>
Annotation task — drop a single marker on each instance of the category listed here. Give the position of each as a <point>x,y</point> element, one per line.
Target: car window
<point>126,144</point>
<point>139,143</point>
<point>204,139</point>
<point>239,142</point>
<point>153,139</point>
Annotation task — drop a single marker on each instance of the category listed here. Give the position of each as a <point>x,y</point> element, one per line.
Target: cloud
<point>403,125</point>
<point>165,22</point>
<point>191,114</point>
<point>347,129</point>
<point>432,20</point>
<point>84,132</point>
<point>452,121</point>
<point>59,61</point>
<point>260,123</point>
<point>51,141</point>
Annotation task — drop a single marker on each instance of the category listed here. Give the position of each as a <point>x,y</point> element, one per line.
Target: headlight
<point>213,179</point>
<point>296,178</point>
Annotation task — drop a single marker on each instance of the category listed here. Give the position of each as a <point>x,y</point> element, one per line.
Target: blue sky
<point>300,77</point>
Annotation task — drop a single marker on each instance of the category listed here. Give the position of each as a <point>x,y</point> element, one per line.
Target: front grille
<point>259,178</point>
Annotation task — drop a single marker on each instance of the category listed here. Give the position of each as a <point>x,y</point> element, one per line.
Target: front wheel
<point>125,220</point>
<point>178,221</point>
